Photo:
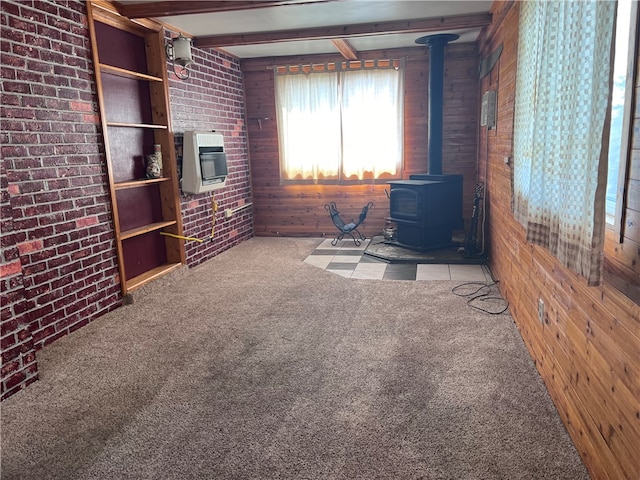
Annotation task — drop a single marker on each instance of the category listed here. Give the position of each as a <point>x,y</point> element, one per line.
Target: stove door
<point>406,204</point>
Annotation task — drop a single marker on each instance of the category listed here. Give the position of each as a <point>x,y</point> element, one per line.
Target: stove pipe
<point>436,44</point>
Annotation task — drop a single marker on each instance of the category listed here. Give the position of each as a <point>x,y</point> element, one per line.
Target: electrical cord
<point>181,237</point>
<point>214,210</point>
<point>481,294</point>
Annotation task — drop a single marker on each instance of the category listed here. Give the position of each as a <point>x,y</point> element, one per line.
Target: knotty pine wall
<point>588,348</point>
<point>290,210</point>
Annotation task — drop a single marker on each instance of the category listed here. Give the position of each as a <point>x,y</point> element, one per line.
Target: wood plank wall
<point>298,210</point>
<point>587,350</point>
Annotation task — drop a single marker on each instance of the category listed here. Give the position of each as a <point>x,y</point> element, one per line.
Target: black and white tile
<point>347,260</point>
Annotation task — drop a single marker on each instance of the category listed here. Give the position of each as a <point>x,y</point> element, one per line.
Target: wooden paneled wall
<point>587,350</point>
<point>290,210</point>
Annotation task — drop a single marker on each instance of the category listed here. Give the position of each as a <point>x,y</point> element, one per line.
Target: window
<point>622,243</point>
<point>621,107</point>
<point>340,123</point>
<point>560,138</point>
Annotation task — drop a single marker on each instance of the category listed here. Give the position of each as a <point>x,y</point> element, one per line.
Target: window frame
<point>620,256</point>
<point>625,141</point>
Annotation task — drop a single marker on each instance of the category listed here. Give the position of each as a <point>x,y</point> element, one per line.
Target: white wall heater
<point>204,162</point>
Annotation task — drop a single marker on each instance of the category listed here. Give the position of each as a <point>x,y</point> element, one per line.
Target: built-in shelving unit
<point>131,80</point>
<point>123,72</point>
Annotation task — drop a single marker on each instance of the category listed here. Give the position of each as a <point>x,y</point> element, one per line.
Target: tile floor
<point>349,261</point>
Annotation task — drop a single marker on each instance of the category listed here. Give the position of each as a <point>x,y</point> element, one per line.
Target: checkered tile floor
<point>347,260</point>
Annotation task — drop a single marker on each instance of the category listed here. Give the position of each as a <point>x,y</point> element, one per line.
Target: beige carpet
<point>256,365</point>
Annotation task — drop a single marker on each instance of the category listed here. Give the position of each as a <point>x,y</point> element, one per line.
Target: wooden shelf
<point>136,125</point>
<point>123,72</point>
<point>140,183</point>
<point>146,277</point>
<point>135,114</point>
<point>134,232</point>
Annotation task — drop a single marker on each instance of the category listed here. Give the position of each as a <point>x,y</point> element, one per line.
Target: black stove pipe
<point>436,44</point>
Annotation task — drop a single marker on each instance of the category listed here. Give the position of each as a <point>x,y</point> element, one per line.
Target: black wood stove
<point>427,208</point>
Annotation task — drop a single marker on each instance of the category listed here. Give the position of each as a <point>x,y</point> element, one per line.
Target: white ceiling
<point>298,17</point>
<point>310,47</point>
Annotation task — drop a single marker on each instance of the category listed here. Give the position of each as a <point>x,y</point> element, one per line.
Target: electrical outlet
<point>541,310</point>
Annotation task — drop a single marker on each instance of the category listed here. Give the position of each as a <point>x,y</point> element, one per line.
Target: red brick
<point>14,380</point>
<point>52,318</point>
<point>9,367</point>
<point>9,151</point>
<point>8,326</point>
<point>12,268</point>
<point>9,354</point>
<point>52,338</point>
<point>91,118</point>
<point>87,221</point>
<point>82,106</point>
<point>39,335</point>
<point>29,357</point>
<point>8,341</point>
<point>24,335</point>
<point>25,224</point>
<point>21,307</point>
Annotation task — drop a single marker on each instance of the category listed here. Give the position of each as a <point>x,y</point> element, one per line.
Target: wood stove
<point>426,210</point>
<point>428,207</point>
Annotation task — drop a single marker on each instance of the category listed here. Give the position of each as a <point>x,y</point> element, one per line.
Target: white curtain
<point>560,140</point>
<point>372,121</point>
<point>308,112</point>
<point>340,125</point>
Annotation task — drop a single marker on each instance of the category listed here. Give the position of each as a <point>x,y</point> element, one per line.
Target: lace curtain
<point>340,125</point>
<point>560,140</point>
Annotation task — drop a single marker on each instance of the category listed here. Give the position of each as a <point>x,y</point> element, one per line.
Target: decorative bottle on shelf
<point>154,163</point>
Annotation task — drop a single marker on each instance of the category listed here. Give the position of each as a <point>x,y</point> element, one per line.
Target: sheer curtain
<point>308,111</point>
<point>560,140</point>
<point>340,125</point>
<point>372,121</point>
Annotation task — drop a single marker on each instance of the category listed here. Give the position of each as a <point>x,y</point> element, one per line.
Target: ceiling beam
<point>345,48</point>
<point>345,31</point>
<point>171,8</point>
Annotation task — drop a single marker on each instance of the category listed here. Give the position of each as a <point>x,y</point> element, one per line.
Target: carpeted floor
<point>256,365</point>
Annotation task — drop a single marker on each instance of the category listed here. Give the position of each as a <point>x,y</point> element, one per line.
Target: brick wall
<point>213,99</point>
<point>59,268</point>
<point>19,367</point>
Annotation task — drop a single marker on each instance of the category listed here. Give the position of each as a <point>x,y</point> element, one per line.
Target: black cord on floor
<point>480,294</point>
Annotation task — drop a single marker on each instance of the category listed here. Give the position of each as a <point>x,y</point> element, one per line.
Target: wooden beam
<point>345,48</point>
<point>171,8</point>
<point>425,25</point>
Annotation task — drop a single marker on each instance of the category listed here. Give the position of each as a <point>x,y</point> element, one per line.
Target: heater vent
<point>204,162</point>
